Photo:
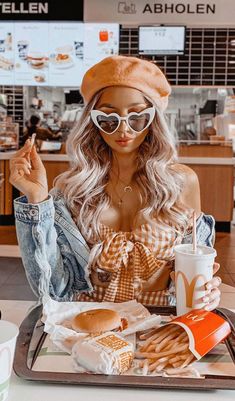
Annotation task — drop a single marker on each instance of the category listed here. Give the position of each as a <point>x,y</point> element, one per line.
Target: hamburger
<point>107,353</point>
<point>98,321</point>
<point>36,60</point>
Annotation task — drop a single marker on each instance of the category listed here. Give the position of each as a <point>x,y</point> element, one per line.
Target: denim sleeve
<point>205,231</point>
<point>45,268</point>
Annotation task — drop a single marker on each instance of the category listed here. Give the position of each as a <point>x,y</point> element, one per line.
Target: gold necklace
<point>126,189</point>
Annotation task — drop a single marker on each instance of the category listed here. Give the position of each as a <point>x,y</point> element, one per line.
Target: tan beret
<point>127,71</point>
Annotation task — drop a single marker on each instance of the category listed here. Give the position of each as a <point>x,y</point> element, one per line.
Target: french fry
<point>182,371</point>
<point>177,364</point>
<point>157,355</point>
<point>182,336</point>
<point>182,340</point>
<point>32,140</point>
<point>145,336</point>
<point>167,349</point>
<point>175,359</point>
<point>151,347</point>
<point>164,342</point>
<point>153,365</point>
<point>169,345</point>
<point>148,342</point>
<point>166,333</point>
<point>188,360</point>
<point>161,367</point>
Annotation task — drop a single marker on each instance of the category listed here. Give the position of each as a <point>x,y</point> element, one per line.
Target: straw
<point>194,232</point>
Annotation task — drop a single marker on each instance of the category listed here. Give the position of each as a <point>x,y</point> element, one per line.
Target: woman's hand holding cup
<point>28,174</point>
<point>212,294</point>
<point>212,297</point>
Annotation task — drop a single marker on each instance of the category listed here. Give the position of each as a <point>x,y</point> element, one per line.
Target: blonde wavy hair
<point>83,185</point>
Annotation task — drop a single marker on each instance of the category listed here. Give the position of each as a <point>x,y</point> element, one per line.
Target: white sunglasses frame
<point>95,113</point>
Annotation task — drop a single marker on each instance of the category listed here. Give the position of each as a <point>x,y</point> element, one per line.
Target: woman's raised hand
<point>28,174</point>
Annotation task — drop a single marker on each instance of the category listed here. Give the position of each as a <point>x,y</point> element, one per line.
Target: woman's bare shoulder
<point>185,170</point>
<point>190,194</point>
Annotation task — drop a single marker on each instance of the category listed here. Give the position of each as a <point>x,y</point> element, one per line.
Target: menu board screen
<point>53,53</point>
<point>101,40</point>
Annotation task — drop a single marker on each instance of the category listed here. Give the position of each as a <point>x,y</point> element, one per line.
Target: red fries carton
<point>205,330</point>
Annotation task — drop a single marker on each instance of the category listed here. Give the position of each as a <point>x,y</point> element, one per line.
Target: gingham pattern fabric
<point>131,258</point>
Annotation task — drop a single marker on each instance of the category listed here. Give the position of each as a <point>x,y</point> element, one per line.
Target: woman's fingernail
<point>205,299</point>
<point>209,286</point>
<point>207,307</point>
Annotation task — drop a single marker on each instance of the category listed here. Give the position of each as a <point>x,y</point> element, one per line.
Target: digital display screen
<point>53,53</point>
<point>161,40</point>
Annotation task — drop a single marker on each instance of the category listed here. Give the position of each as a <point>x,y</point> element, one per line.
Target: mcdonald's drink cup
<point>192,270</point>
<point>8,335</point>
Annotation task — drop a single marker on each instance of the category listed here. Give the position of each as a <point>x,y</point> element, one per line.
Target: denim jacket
<point>55,254</point>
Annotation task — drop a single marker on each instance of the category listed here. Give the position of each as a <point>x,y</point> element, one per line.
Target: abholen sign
<point>214,13</point>
<point>41,10</point>
<point>179,8</point>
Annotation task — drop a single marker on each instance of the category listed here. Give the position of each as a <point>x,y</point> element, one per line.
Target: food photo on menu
<point>101,40</point>
<point>7,64</point>
<point>66,42</point>
<point>62,58</point>
<point>31,53</point>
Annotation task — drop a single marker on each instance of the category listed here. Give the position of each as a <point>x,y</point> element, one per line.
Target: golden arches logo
<point>189,287</point>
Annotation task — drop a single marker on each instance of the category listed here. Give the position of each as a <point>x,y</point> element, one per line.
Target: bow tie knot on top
<point>118,249</point>
<point>130,262</point>
<point>129,246</point>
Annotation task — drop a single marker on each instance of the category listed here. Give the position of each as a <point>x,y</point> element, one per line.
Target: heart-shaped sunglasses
<point>109,123</point>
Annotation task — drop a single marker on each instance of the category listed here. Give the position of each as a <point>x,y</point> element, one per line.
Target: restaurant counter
<point>182,159</point>
<point>214,165</point>
<point>23,390</point>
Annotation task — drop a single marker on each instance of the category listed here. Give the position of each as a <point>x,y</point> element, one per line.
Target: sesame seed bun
<point>97,321</point>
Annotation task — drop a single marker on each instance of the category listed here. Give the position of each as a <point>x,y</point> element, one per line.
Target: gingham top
<point>134,265</point>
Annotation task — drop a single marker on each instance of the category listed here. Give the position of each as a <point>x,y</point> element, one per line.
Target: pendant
<point>120,203</point>
<point>127,189</point>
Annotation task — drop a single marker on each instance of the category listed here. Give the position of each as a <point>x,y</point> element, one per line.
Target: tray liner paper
<point>58,315</point>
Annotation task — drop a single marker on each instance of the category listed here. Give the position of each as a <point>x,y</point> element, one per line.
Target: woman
<point>107,231</point>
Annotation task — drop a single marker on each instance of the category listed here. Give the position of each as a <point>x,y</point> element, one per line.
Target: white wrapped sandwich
<point>106,353</point>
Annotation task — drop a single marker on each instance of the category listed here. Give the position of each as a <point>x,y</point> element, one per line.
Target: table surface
<point>23,390</point>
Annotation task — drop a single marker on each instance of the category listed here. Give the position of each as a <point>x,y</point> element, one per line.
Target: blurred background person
<point>43,134</point>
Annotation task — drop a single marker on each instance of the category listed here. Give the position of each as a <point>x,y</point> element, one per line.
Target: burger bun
<point>97,321</point>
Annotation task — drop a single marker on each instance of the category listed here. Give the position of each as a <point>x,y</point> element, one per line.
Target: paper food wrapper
<point>57,317</point>
<point>205,330</point>
<point>107,353</point>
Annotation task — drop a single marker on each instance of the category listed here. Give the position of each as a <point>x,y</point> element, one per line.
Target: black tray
<point>22,363</point>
